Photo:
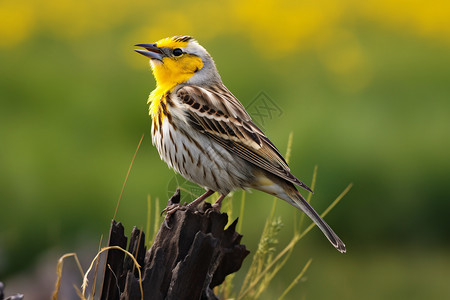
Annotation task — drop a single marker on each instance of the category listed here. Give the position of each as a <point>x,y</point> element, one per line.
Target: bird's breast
<point>196,156</point>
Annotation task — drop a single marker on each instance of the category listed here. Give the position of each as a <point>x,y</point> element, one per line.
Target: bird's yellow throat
<point>168,74</point>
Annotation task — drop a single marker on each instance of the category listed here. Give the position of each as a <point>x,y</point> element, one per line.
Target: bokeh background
<point>363,85</point>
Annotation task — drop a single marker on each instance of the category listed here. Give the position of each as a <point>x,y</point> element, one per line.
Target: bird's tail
<point>296,199</point>
<point>286,191</point>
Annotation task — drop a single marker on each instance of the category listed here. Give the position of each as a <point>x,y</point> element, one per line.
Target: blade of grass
<point>289,147</point>
<point>338,199</point>
<point>157,221</point>
<point>59,268</point>
<point>241,212</point>
<point>296,280</point>
<point>126,177</point>
<point>259,257</point>
<point>137,247</point>
<point>147,226</point>
<point>77,290</point>
<point>291,244</point>
<point>96,269</point>
<point>298,227</point>
<point>225,290</point>
<point>277,268</point>
<point>183,189</point>
<point>85,279</point>
<point>293,241</point>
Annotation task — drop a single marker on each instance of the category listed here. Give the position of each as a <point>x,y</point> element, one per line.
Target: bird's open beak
<point>152,51</point>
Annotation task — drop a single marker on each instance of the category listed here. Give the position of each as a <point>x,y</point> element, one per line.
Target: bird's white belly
<point>201,160</point>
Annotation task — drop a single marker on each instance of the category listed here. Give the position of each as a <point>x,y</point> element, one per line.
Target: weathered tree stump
<point>186,261</point>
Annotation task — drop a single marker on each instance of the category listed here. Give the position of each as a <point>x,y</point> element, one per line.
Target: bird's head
<point>179,59</point>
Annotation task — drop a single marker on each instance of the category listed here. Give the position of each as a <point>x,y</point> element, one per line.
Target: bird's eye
<point>177,52</point>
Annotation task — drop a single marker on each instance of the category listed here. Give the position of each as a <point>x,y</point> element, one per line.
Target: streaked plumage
<point>204,133</point>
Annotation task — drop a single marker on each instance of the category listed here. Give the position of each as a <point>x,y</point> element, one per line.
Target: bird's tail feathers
<point>297,200</point>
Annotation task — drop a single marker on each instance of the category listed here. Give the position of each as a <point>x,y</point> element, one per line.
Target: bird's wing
<point>217,113</point>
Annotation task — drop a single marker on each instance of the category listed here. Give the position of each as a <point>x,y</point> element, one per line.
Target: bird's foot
<point>218,204</point>
<point>216,207</point>
<point>170,210</point>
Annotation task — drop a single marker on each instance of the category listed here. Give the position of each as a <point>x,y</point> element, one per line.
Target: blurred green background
<point>363,85</point>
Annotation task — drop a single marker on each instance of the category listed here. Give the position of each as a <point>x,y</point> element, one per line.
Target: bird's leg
<point>200,199</point>
<point>218,204</point>
<point>174,207</point>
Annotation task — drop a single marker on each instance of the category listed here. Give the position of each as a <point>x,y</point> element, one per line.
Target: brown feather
<point>233,128</point>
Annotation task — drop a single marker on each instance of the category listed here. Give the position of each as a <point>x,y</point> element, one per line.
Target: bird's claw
<point>216,207</point>
<point>166,224</point>
<point>169,210</point>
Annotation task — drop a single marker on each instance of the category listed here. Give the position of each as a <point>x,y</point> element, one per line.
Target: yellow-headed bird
<point>204,133</point>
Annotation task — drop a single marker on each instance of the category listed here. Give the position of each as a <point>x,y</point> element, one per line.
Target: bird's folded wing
<point>218,114</point>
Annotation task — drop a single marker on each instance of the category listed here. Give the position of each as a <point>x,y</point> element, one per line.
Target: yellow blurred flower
<point>286,25</point>
<point>342,55</point>
<point>16,22</point>
<point>290,25</point>
<point>423,18</point>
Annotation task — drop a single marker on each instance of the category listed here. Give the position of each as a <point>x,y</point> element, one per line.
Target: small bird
<point>203,132</point>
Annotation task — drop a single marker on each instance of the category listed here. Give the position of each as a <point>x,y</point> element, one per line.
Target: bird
<point>202,131</point>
